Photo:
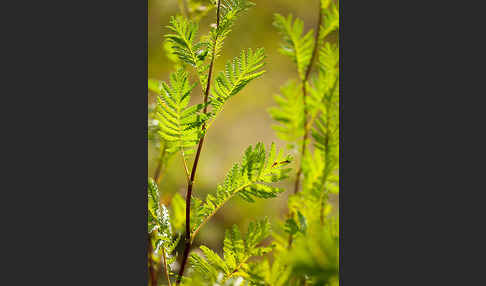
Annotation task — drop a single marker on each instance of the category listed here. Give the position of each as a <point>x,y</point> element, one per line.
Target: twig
<point>304,96</point>
<point>165,266</point>
<point>153,279</point>
<point>217,208</point>
<point>196,160</point>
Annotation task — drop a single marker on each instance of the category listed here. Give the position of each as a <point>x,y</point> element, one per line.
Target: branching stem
<point>211,215</point>
<point>153,279</point>
<point>304,96</point>
<point>236,270</point>
<point>196,160</point>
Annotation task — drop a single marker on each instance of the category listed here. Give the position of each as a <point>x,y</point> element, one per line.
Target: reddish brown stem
<point>153,279</point>
<point>304,96</point>
<point>194,167</point>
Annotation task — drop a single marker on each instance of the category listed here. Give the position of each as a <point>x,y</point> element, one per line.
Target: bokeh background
<point>245,120</point>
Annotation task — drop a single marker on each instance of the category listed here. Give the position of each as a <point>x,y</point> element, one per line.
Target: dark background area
<point>74,160</point>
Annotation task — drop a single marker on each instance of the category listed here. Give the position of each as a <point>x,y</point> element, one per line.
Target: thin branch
<point>304,96</point>
<point>219,206</point>
<point>196,160</point>
<point>165,266</point>
<point>216,209</point>
<point>153,279</point>
<point>235,270</point>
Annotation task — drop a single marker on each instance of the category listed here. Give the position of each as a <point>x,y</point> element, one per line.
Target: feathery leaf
<point>230,10</point>
<point>237,250</point>
<point>182,44</point>
<point>297,46</point>
<point>237,75</point>
<point>180,124</point>
<point>250,179</point>
<point>289,113</point>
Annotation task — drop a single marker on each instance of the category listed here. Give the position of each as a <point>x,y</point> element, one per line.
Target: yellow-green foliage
<point>250,179</point>
<point>303,246</point>
<point>180,124</point>
<point>236,76</point>
<point>238,249</point>
<point>295,44</point>
<point>159,228</point>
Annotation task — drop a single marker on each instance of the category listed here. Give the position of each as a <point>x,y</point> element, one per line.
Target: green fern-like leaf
<point>182,44</point>
<point>326,136</point>
<point>158,218</point>
<point>297,46</point>
<point>237,250</point>
<point>321,168</point>
<point>153,129</point>
<point>215,260</point>
<point>230,10</point>
<point>289,113</point>
<point>183,40</point>
<point>250,179</point>
<point>293,227</point>
<point>313,165</point>
<point>326,130</point>
<point>329,60</point>
<point>330,21</point>
<point>237,75</point>
<point>262,274</point>
<point>180,124</point>
<point>159,228</point>
<point>325,84</point>
<point>316,256</point>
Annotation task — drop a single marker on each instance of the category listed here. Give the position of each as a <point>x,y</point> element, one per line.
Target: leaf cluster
<point>178,126</point>
<point>238,73</point>
<point>238,249</point>
<point>180,123</point>
<point>295,44</point>
<point>250,179</point>
<point>163,240</point>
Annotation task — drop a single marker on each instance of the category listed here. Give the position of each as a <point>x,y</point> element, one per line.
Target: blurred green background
<point>245,120</point>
